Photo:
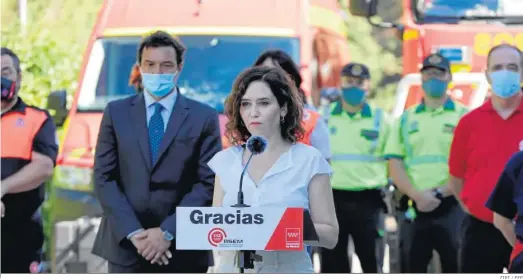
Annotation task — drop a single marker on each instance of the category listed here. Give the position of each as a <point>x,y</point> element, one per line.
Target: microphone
<point>256,145</point>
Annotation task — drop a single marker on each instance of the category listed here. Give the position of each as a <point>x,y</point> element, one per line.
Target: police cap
<point>356,70</point>
<point>437,61</point>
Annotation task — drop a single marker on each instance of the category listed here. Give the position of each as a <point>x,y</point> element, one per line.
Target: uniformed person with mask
<point>506,201</point>
<point>418,150</point>
<point>358,133</point>
<point>29,151</point>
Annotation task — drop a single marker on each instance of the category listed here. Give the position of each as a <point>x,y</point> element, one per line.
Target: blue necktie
<point>155,132</point>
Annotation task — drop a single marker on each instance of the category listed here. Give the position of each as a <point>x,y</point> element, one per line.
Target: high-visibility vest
<point>425,138</point>
<point>309,121</point>
<point>19,128</point>
<point>357,144</point>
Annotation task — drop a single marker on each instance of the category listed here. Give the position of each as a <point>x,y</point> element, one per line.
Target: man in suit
<point>151,157</point>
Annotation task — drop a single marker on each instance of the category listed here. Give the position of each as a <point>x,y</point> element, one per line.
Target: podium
<point>244,229</point>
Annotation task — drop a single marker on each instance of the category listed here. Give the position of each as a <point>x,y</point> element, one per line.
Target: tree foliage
<point>382,62</point>
<point>51,45</point>
<point>53,42</point>
<point>50,48</point>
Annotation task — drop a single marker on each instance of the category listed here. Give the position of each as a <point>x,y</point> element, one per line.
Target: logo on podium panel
<point>228,228</point>
<point>216,236</point>
<point>292,237</point>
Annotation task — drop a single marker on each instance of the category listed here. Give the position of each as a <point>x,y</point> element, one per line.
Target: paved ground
<point>65,232</point>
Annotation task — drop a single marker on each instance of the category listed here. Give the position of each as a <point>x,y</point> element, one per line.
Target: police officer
<point>28,153</point>
<point>418,149</point>
<point>358,133</point>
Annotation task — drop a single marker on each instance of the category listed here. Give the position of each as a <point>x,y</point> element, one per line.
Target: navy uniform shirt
<point>16,149</point>
<point>507,197</point>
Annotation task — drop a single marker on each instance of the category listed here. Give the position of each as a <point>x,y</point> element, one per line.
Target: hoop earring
<point>282,119</point>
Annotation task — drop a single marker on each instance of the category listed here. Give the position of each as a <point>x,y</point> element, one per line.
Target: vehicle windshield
<point>211,65</point>
<point>451,10</point>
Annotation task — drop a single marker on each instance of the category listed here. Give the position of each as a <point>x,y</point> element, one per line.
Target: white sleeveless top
<point>285,184</point>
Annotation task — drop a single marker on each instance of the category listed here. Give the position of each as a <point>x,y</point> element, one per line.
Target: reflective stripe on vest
<point>427,159</point>
<point>363,157</point>
<point>356,157</point>
<point>405,134</point>
<point>376,125</point>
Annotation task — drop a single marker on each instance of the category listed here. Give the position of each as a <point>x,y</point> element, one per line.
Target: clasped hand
<point>426,201</point>
<point>152,246</point>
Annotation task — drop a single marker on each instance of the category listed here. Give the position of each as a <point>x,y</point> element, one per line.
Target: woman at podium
<point>264,102</point>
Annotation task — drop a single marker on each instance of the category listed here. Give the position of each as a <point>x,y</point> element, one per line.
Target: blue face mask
<point>158,84</point>
<point>505,83</point>
<point>354,96</point>
<point>434,87</point>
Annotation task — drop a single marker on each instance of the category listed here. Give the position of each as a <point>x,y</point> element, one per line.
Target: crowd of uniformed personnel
<point>443,158</point>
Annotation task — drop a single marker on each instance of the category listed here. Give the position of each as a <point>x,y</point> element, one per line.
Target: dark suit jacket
<point>134,193</point>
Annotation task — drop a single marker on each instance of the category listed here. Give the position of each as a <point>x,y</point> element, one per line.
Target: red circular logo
<point>216,236</point>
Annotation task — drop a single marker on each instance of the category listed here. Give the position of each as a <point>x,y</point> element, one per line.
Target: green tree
<point>50,48</point>
<point>382,62</point>
<point>51,45</point>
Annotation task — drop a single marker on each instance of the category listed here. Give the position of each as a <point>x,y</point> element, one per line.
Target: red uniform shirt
<point>482,145</point>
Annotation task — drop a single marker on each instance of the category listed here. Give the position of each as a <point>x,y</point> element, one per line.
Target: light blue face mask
<point>505,83</point>
<point>158,84</point>
<point>354,96</point>
<point>434,87</point>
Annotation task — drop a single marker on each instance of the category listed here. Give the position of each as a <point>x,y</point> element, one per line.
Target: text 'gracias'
<point>198,217</point>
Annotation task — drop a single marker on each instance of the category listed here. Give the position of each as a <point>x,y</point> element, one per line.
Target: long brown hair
<point>286,94</point>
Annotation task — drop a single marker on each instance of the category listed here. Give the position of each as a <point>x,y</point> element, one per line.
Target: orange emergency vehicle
<point>222,39</point>
<point>462,31</point>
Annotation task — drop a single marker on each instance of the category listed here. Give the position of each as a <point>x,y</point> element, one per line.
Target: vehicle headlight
<point>73,177</point>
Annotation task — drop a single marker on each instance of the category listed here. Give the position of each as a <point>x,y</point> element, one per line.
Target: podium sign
<point>247,228</point>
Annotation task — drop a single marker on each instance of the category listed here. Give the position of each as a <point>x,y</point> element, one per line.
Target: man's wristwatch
<point>167,236</point>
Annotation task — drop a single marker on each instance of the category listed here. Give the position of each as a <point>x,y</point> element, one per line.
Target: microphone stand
<point>246,258</point>
<point>241,203</point>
